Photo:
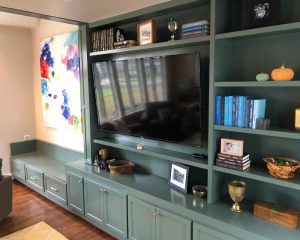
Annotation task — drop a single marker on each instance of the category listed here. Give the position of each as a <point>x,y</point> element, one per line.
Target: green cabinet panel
<point>146,222</point>
<point>94,201</point>
<point>170,226</point>
<point>201,232</point>
<point>115,208</point>
<point>75,192</point>
<point>35,178</point>
<point>55,188</point>
<point>141,220</point>
<point>18,170</point>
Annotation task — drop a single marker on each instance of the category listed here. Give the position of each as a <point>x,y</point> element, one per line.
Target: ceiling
<point>79,10</point>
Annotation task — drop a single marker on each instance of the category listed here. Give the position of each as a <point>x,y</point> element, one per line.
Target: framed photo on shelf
<point>146,32</point>
<point>232,147</point>
<point>178,176</point>
<point>260,13</point>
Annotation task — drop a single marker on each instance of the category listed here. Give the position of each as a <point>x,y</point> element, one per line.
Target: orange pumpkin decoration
<point>282,74</point>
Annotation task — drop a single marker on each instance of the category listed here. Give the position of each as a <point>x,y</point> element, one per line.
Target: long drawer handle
<point>56,189</point>
<point>34,178</point>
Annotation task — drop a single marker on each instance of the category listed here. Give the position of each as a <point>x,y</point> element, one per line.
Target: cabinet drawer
<point>18,170</point>
<point>35,178</point>
<point>56,188</point>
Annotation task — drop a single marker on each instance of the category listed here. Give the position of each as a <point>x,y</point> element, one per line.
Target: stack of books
<point>104,39</point>
<point>239,111</point>
<point>234,162</point>
<point>125,43</point>
<point>195,29</point>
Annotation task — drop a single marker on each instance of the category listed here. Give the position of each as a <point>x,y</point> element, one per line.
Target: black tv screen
<point>163,98</point>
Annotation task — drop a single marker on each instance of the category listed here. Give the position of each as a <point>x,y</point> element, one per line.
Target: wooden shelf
<point>261,174</point>
<point>263,31</point>
<point>290,134</point>
<point>294,83</point>
<point>161,153</point>
<point>156,46</point>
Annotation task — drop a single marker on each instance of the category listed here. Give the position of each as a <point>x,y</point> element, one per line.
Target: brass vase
<point>236,191</point>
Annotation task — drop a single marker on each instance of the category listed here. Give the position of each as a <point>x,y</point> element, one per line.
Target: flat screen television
<point>162,98</point>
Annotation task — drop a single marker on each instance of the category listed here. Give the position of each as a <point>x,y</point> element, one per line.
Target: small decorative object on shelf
<point>260,13</point>
<point>262,123</point>
<point>282,74</point>
<point>199,191</point>
<point>121,166</point>
<point>282,167</point>
<point>232,147</point>
<point>103,164</point>
<point>195,29</point>
<point>172,27</point>
<point>125,43</point>
<point>297,119</point>
<point>261,77</point>
<point>236,191</point>
<point>233,162</point>
<point>238,111</point>
<point>178,176</point>
<point>146,32</point>
<point>277,214</point>
<point>140,146</point>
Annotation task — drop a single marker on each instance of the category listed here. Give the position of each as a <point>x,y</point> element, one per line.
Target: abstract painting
<point>60,81</point>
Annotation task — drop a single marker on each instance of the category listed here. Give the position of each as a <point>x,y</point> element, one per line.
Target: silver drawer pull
<point>102,189</point>
<point>79,181</point>
<point>34,178</point>
<point>55,188</point>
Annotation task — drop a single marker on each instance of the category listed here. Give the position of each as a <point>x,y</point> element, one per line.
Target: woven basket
<point>121,167</point>
<point>283,172</point>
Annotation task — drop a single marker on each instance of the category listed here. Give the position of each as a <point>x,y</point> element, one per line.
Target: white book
<point>259,109</point>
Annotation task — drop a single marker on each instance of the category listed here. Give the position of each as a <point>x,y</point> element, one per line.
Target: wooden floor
<point>29,208</point>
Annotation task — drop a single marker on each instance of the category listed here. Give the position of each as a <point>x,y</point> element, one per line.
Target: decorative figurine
<point>236,191</point>
<point>172,26</point>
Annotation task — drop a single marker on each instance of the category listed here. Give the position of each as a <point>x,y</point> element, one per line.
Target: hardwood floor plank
<point>30,208</point>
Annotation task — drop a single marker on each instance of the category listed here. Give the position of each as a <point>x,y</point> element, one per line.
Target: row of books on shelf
<point>195,29</point>
<point>234,162</point>
<point>239,111</point>
<point>108,39</point>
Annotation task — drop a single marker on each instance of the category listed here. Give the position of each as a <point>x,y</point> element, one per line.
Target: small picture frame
<point>178,176</point>
<point>146,32</point>
<point>232,147</point>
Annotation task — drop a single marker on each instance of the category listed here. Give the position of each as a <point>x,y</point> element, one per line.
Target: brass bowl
<point>199,191</point>
<point>282,167</point>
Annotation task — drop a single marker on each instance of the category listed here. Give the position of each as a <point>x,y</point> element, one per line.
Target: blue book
<point>234,111</point>
<point>218,110</point>
<point>241,110</point>
<point>195,24</point>
<point>259,110</point>
<point>230,110</point>
<point>251,113</point>
<point>226,111</point>
<point>247,113</point>
<point>195,29</point>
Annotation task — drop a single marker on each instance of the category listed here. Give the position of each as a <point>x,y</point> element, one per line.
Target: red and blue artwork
<point>60,81</point>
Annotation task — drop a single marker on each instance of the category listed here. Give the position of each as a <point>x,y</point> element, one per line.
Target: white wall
<point>16,89</point>
<point>66,139</point>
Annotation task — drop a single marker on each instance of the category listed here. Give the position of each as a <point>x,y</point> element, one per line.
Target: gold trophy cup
<point>236,191</point>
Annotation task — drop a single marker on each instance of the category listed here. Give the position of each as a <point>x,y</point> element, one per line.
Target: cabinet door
<point>141,220</point>
<point>75,192</point>
<point>201,232</point>
<point>170,226</point>
<point>94,201</point>
<point>115,208</point>
<point>18,170</point>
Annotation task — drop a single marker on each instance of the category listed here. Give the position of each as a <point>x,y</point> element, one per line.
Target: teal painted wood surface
<point>34,177</point>
<point>55,188</point>
<point>290,134</point>
<point>201,232</point>
<point>94,201</point>
<point>161,153</point>
<point>115,208</point>
<point>18,170</point>
<point>141,220</point>
<point>23,147</point>
<point>75,192</point>
<point>270,84</point>
<point>170,226</point>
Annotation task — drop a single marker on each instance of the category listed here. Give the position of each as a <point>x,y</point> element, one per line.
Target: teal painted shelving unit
<point>235,57</point>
